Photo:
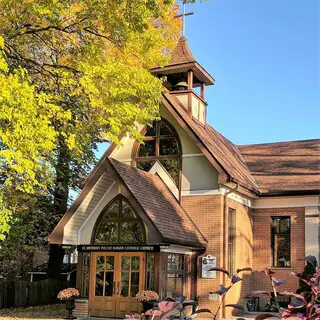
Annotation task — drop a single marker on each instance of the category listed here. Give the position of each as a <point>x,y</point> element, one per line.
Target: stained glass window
<point>160,144</point>
<point>119,224</point>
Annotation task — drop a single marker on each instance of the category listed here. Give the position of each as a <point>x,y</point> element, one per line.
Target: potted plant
<point>68,295</point>
<point>147,298</point>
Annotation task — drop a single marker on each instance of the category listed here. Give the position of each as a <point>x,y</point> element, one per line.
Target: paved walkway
<point>247,316</point>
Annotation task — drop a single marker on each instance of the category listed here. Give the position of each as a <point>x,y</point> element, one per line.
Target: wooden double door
<point>115,279</point>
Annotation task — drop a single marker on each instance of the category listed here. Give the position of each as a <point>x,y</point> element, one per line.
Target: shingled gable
<point>154,197</point>
<point>285,167</point>
<point>221,152</point>
<point>160,205</point>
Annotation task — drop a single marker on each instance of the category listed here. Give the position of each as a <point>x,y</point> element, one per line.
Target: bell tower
<point>183,74</point>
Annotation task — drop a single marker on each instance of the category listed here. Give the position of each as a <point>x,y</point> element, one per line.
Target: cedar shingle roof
<point>160,205</point>
<point>285,166</point>
<point>181,53</point>
<point>267,169</point>
<point>224,151</point>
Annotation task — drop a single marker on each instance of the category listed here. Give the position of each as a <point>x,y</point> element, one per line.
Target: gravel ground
<point>52,312</point>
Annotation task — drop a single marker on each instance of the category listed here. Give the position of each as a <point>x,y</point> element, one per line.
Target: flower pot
<point>147,305</point>
<point>70,307</point>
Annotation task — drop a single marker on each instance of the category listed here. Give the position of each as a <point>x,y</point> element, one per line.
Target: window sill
<point>281,268</point>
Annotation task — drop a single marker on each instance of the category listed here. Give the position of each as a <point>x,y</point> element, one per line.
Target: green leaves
<point>75,72</point>
<point>5,216</point>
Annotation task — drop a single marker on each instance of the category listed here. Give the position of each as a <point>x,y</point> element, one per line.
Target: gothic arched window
<point>119,224</point>
<point>161,144</point>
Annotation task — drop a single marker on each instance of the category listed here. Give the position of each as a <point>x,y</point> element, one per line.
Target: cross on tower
<point>183,16</point>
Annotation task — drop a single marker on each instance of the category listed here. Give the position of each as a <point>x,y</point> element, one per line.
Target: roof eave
<point>274,193</point>
<point>198,70</point>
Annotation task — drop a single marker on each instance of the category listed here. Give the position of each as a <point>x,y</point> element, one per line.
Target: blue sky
<point>264,55</point>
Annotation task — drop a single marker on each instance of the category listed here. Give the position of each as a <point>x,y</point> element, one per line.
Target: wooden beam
<point>190,79</point>
<point>203,91</point>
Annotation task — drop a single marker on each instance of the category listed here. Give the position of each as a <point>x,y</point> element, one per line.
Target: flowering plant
<point>68,293</point>
<point>163,308</point>
<point>147,296</point>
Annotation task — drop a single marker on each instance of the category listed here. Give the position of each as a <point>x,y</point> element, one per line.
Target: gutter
<point>225,233</point>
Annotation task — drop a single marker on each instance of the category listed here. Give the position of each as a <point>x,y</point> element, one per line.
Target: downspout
<point>225,213</point>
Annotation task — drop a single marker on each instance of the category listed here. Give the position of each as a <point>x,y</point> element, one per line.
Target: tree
<point>73,73</point>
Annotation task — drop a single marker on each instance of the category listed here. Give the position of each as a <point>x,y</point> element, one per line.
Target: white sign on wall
<point>208,262</point>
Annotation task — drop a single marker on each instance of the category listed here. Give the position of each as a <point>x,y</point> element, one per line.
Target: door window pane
<point>109,284</point>
<point>99,275</point>
<point>109,263</point>
<point>124,292</point>
<point>125,263</point>
<point>135,276</point>
<point>135,266</point>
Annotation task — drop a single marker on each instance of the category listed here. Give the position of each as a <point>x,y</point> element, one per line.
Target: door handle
<point>118,288</point>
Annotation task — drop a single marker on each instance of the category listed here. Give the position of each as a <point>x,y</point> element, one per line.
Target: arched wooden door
<point>115,279</point>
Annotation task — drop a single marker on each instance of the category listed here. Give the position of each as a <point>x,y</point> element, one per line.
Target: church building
<point>158,215</point>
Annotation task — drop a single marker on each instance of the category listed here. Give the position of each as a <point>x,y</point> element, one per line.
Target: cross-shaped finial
<point>183,15</point>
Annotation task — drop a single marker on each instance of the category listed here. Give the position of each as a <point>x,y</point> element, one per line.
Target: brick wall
<point>262,247</point>
<point>81,309</point>
<point>207,212</point>
<point>243,254</point>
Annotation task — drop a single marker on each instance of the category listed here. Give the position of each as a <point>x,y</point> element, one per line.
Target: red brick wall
<point>262,247</point>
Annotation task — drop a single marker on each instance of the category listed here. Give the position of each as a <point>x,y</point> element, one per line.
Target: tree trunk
<point>61,195</point>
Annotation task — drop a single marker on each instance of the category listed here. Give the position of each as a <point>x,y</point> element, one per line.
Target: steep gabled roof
<point>285,166</point>
<point>225,153</point>
<point>160,205</point>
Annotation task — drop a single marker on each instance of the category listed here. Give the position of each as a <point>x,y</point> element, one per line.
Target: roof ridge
<point>277,142</point>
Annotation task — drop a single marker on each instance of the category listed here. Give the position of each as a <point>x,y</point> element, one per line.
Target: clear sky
<point>264,56</point>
